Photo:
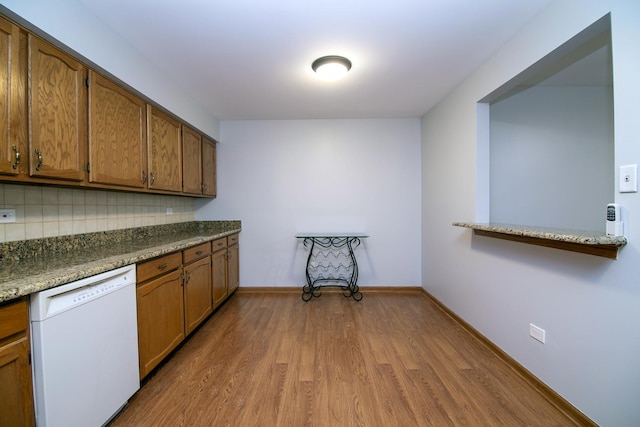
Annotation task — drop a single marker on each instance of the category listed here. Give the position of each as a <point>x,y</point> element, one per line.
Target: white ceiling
<point>251,59</point>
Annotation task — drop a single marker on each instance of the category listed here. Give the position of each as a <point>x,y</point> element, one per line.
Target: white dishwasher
<point>85,349</point>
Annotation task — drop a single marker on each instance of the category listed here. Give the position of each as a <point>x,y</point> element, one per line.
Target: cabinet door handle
<point>144,177</point>
<point>39,154</point>
<point>153,177</point>
<point>162,266</point>
<point>17,162</point>
<point>199,253</point>
<point>188,278</point>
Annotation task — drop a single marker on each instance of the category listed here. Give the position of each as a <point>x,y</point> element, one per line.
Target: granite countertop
<point>31,266</point>
<point>561,235</point>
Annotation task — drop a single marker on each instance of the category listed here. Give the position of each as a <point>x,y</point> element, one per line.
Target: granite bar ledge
<point>587,242</point>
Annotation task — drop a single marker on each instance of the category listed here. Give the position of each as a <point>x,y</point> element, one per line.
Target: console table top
<point>327,235</point>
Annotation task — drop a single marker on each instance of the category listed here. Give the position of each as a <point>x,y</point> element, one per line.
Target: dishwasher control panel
<point>57,300</point>
<point>93,291</point>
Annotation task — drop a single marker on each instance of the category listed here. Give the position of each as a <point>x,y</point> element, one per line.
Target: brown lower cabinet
<point>224,268</point>
<point>177,292</point>
<point>198,302</point>
<point>219,271</point>
<point>160,309</point>
<point>16,391</point>
<point>233,265</point>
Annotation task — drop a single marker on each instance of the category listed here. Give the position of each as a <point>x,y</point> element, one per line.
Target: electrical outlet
<point>7,215</point>
<point>169,211</point>
<point>536,333</point>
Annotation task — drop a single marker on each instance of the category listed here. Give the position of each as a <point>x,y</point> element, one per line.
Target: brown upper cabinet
<point>198,164</point>
<point>209,184</point>
<point>191,161</point>
<point>10,150</point>
<point>117,135</point>
<point>164,151</point>
<point>63,123</point>
<point>57,113</point>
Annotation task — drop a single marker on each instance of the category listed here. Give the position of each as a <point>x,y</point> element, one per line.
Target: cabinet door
<point>219,276</point>
<point>209,168</point>
<point>191,161</point>
<point>233,268</point>
<point>16,398</point>
<point>197,293</point>
<point>57,110</point>
<point>117,135</point>
<point>9,51</point>
<point>160,319</point>
<point>164,151</point>
<point>16,391</point>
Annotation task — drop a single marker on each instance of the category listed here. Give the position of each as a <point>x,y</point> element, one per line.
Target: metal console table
<point>331,263</point>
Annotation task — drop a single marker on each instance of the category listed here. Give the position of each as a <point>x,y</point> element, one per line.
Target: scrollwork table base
<point>331,263</point>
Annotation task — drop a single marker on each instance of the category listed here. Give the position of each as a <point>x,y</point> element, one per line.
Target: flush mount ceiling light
<point>332,67</point>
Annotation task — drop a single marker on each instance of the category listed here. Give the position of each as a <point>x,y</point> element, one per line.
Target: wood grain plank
<point>393,359</point>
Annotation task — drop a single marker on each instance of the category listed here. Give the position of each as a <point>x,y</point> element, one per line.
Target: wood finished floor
<point>393,359</point>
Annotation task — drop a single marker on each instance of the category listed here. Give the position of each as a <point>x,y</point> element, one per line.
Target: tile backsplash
<point>44,211</point>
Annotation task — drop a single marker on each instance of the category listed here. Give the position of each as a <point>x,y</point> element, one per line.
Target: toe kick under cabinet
<point>178,291</point>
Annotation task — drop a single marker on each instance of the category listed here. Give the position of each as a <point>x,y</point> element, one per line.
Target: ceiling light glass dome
<point>332,67</point>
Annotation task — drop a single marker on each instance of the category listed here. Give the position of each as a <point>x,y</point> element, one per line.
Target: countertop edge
<point>17,288</point>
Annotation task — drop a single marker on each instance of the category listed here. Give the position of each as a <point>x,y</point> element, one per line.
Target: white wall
<point>285,177</point>
<point>552,157</point>
<point>588,306</point>
<point>72,24</point>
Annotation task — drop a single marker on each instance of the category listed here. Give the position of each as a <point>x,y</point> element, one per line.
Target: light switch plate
<point>628,179</point>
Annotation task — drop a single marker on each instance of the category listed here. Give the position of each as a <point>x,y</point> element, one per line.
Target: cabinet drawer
<point>196,252</point>
<point>232,240</point>
<point>14,318</point>
<point>157,266</point>
<point>219,244</point>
